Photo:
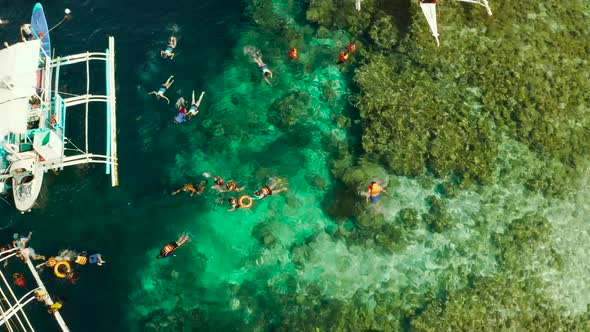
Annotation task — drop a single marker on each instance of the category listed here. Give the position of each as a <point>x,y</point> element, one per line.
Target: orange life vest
<point>293,53</point>
<point>351,47</point>
<point>266,191</point>
<point>167,249</point>
<point>344,56</point>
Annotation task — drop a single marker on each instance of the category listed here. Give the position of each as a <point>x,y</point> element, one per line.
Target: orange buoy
<point>351,47</point>
<point>293,53</point>
<point>344,56</point>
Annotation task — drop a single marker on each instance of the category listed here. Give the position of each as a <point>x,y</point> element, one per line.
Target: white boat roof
<point>18,77</point>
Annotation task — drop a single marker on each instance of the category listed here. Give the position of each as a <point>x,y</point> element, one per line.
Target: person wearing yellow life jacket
<point>375,190</point>
<point>270,189</point>
<point>170,247</point>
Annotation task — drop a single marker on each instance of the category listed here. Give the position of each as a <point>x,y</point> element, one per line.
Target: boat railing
<point>13,316</point>
<point>61,104</point>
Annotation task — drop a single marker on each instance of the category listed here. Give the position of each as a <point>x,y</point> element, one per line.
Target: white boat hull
<point>26,184</point>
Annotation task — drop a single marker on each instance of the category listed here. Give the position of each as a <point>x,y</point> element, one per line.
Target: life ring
<point>245,198</point>
<point>51,262</point>
<point>59,273</point>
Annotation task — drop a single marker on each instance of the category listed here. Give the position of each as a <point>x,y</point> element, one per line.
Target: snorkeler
<point>96,259</point>
<point>270,189</point>
<point>232,185</point>
<point>266,73</point>
<point>234,203</point>
<point>181,116</point>
<point>244,202</point>
<point>160,93</point>
<point>293,53</point>
<point>194,110</point>
<point>187,187</point>
<point>201,187</point>
<point>218,182</point>
<point>170,247</point>
<point>345,54</point>
<point>169,51</point>
<point>374,193</point>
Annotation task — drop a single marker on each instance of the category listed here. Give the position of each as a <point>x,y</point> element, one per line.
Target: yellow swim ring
<point>56,269</point>
<point>242,201</point>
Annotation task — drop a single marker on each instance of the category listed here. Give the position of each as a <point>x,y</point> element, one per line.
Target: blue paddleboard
<point>40,30</point>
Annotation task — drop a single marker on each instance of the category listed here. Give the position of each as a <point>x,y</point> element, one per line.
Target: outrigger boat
<point>429,10</point>
<point>33,114</point>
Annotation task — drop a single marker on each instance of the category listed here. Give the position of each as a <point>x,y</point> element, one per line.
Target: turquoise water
<point>313,258</point>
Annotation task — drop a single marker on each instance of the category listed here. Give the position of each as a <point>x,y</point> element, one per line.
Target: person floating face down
<point>181,116</point>
<point>244,202</point>
<point>170,247</point>
<point>270,189</point>
<point>194,110</point>
<point>160,93</point>
<point>374,193</point>
<point>218,183</point>
<point>266,73</point>
<point>96,259</point>
<point>169,51</point>
<point>232,185</point>
<point>345,54</point>
<point>190,188</point>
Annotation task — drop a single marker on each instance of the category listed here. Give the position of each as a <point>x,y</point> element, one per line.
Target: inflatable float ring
<point>242,202</point>
<point>57,271</point>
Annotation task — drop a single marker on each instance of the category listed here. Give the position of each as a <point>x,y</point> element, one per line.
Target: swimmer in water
<point>169,51</point>
<point>170,247</point>
<point>266,73</point>
<point>270,189</point>
<point>374,193</point>
<point>186,188</point>
<point>194,110</point>
<point>232,185</point>
<point>160,93</point>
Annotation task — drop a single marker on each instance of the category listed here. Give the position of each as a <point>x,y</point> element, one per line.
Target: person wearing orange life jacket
<point>293,53</point>
<point>270,189</point>
<point>170,247</point>
<point>351,47</point>
<point>375,190</point>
